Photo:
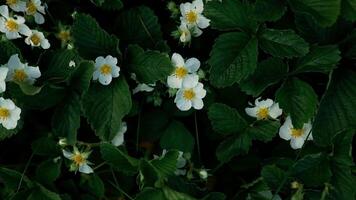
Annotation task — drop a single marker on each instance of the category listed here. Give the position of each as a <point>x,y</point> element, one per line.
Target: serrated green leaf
<point>325,12</point>
<point>298,100</point>
<point>166,166</point>
<point>176,136</point>
<point>66,118</point>
<point>7,49</point>
<point>232,59</point>
<point>273,176</point>
<point>233,146</point>
<point>283,43</point>
<point>319,59</point>
<point>268,72</point>
<point>348,9</point>
<point>91,40</point>
<point>226,120</point>
<point>263,130</point>
<point>269,10</point>
<point>336,111</point>
<point>118,159</point>
<point>81,77</point>
<point>48,171</point>
<point>231,15</point>
<point>105,106</point>
<point>149,66</point>
<point>139,26</point>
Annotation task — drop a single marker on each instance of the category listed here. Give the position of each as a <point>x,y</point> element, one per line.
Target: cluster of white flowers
<point>185,78</point>
<point>192,20</point>
<point>268,109</point>
<point>13,26</point>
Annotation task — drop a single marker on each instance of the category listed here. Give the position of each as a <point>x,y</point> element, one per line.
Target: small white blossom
<point>79,160</point>
<point>35,9</point>
<point>71,63</point>
<point>203,174</point>
<point>264,109</point>
<point>192,15</point>
<point>17,5</point>
<point>119,137</point>
<point>297,137</point>
<point>106,69</point>
<point>9,113</point>
<point>21,72</point>
<point>37,39</point>
<point>12,26</point>
<point>188,97</point>
<point>184,74</point>
<point>3,74</point>
<point>62,142</point>
<point>185,35</point>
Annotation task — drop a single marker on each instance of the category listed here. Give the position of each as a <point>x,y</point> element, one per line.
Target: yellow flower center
<point>297,132</point>
<point>181,72</point>
<point>262,113</point>
<point>19,75</point>
<point>105,69</point>
<point>11,2</point>
<point>31,8</point>
<point>64,36</point>
<point>11,25</point>
<point>191,17</point>
<point>35,39</point>
<point>4,113</point>
<point>189,94</point>
<point>78,159</point>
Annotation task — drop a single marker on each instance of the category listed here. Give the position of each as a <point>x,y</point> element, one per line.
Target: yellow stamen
<point>12,25</point>
<point>35,39</point>
<point>78,159</point>
<point>31,8</point>
<point>19,75</point>
<point>4,113</point>
<point>105,69</point>
<point>181,72</point>
<point>11,2</point>
<point>297,132</point>
<point>64,36</point>
<point>191,17</point>
<point>262,113</point>
<point>189,94</point>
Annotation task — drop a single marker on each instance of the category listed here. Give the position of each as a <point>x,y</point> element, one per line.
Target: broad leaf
<point>81,77</point>
<point>269,10</point>
<point>283,43</point>
<point>48,171</point>
<point>233,146</point>
<point>105,106</point>
<point>150,193</point>
<point>7,49</point>
<point>298,100</point>
<point>174,195</point>
<point>177,137</point>
<point>273,176</point>
<point>42,193</point>
<point>166,166</point>
<point>93,185</point>
<point>232,59</point>
<point>348,9</point>
<point>263,130</point>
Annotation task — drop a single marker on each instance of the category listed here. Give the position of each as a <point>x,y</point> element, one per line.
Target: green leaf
<point>7,133</point>
<point>226,120</point>
<point>149,66</point>
<point>283,43</point>
<point>230,15</point>
<point>41,193</point>
<point>263,130</point>
<point>45,146</point>
<point>118,159</point>
<point>298,100</point>
<point>325,12</point>
<point>166,166</point>
<point>269,10</point>
<point>94,185</point>
<point>108,4</point>
<point>7,49</point>
<point>215,196</point>
<point>66,118</point>
<point>150,193</point>
<point>177,137</point>
<point>105,106</point>
<point>139,26</point>
<point>11,178</point>
<point>319,59</point>
<point>233,146</point>
<point>29,89</point>
<point>342,148</point>
<point>80,79</point>
<point>312,170</point>
<point>348,9</point>
<point>91,40</point>
<point>48,171</point>
<point>268,72</point>
<point>273,176</point>
<point>148,175</point>
<point>232,59</point>
<point>336,111</point>
<point>174,195</point>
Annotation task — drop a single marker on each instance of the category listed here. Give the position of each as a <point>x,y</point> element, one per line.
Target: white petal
<point>2,86</point>
<point>203,22</point>
<point>199,91</point>
<point>197,103</point>
<point>16,113</point>
<point>33,72</point>
<point>24,30</point>
<point>297,143</point>
<point>197,32</point>
<point>45,44</point>
<point>264,103</point>
<point>190,81</point>
<point>142,87</point>
<point>192,64</point>
<point>15,62</point>
<point>181,162</point>
<point>2,25</point>
<point>39,19</point>
<point>9,124</point>
<point>185,7</point>
<point>183,104</point>
<point>275,111</point>
<point>86,169</point>
<point>96,75</point>
<point>199,5</point>
<point>105,79</point>
<point>12,35</point>
<point>4,11</point>
<point>174,82</point>
<point>285,130</point>
<point>115,71</point>
<point>111,60</point>
<point>307,128</point>
<point>20,6</point>
<point>3,73</point>
<point>67,154</point>
<point>252,112</point>
<point>19,19</point>
<point>99,61</point>
<point>177,60</point>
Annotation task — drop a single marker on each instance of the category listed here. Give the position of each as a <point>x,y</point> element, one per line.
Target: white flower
<point>142,87</point>
<point>264,109</point>
<point>184,74</point>
<point>79,161</point>
<point>185,35</point>
<point>192,14</point>
<point>119,137</point>
<point>34,8</point>
<point>188,97</point>
<point>12,26</point>
<point>181,162</point>
<point>3,74</point>
<point>296,136</point>
<point>20,72</point>
<point>63,142</point>
<point>71,63</point>
<point>37,39</point>
<point>203,174</point>
<point>106,69</point>
<point>9,113</point>
<point>17,5</point>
